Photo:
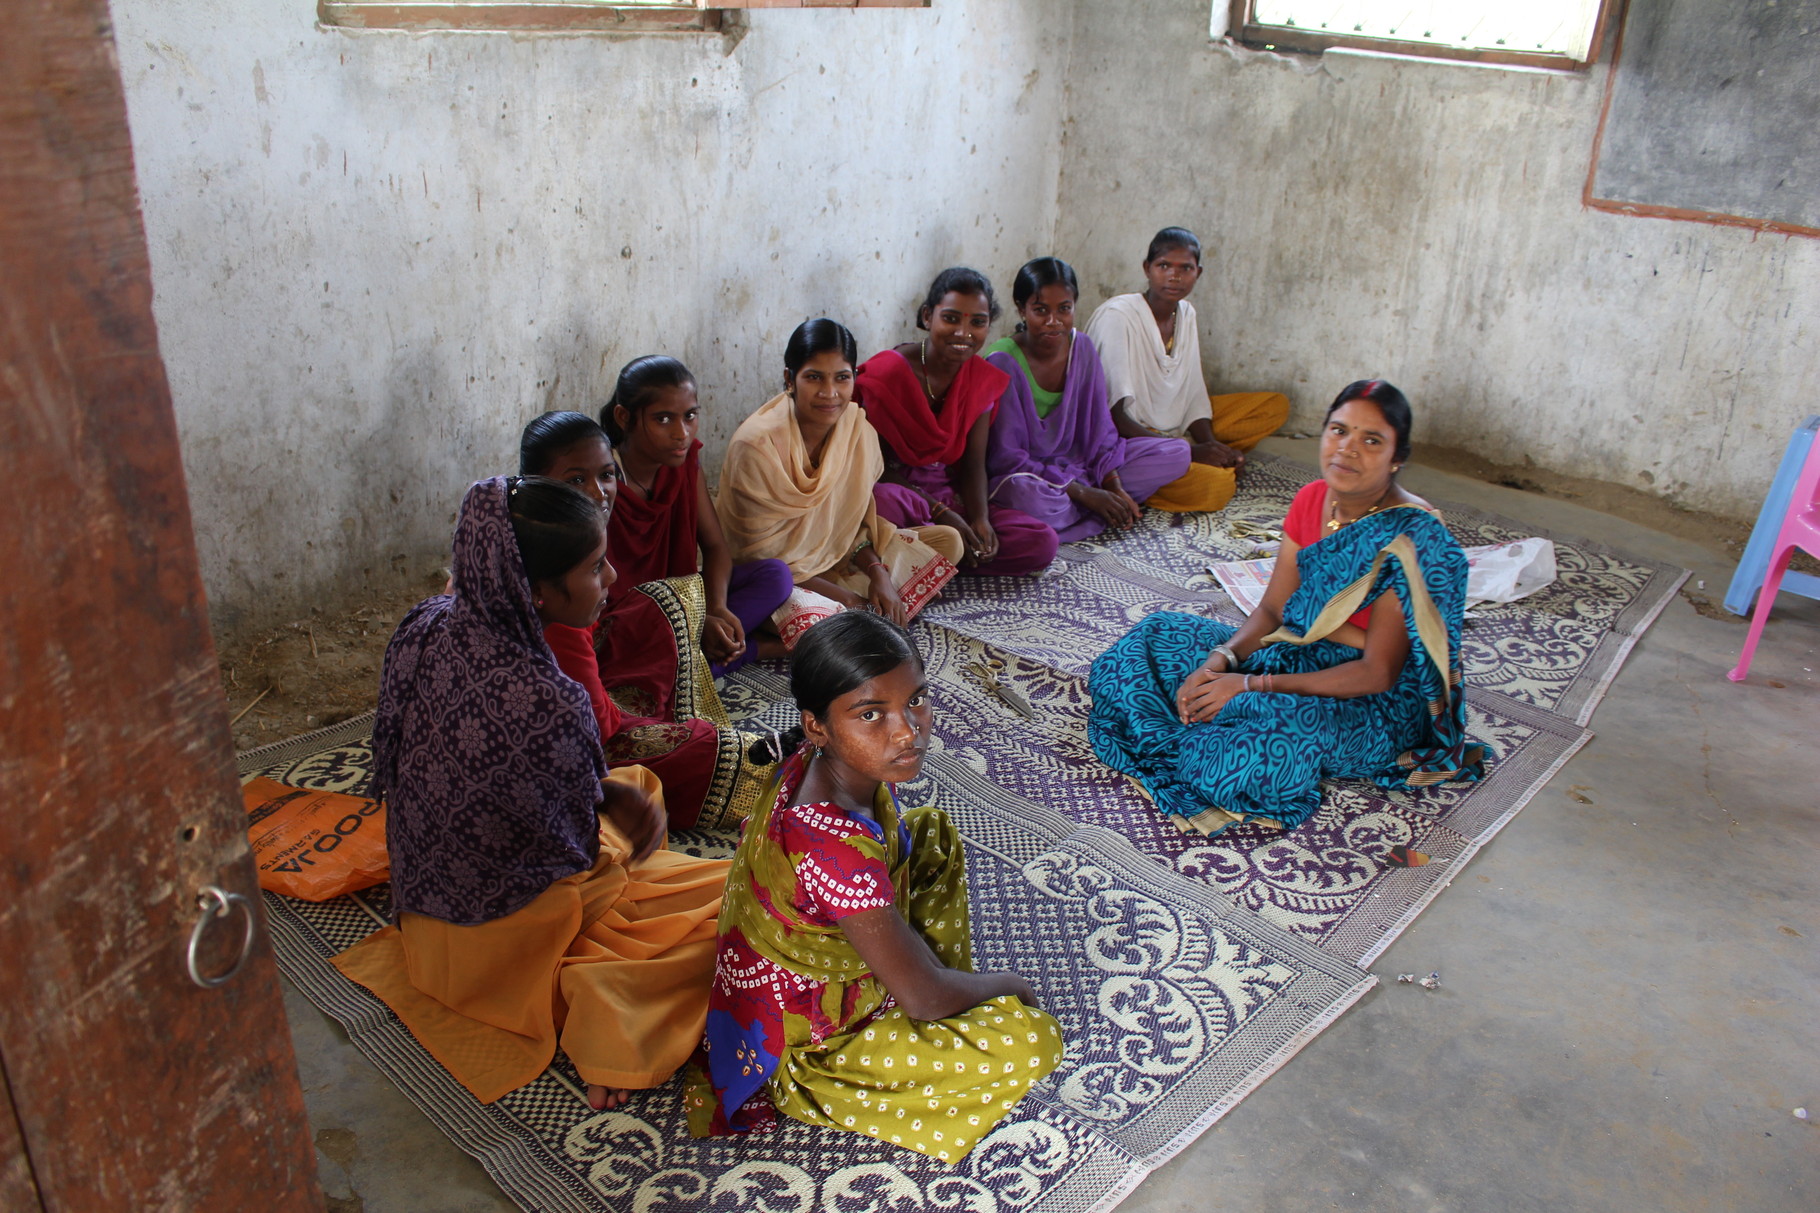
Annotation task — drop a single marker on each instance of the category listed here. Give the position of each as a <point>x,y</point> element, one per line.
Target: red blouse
<point>1305,525</point>
<point>574,651</point>
<point>833,881</point>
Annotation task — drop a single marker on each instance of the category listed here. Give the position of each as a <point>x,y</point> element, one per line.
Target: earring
<point>539,602</point>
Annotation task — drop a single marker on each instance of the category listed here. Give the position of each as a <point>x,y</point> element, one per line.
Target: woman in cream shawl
<point>797,486</point>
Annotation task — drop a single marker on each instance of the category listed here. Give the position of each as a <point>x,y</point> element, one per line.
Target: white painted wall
<point>1422,221</point>
<point>376,255</point>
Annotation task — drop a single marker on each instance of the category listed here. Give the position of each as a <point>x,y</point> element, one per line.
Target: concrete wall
<point>376,255</point>
<point>1422,221</point>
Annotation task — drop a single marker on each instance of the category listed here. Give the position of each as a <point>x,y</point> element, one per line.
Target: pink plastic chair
<point>1800,529</point>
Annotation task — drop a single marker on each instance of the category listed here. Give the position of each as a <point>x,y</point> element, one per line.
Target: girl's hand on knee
<point>635,814</point>
<point>1191,686</point>
<point>1218,454</point>
<point>970,540</point>
<point>986,540</point>
<point>1114,508</point>
<point>1221,690</point>
<point>722,637</point>
<point>885,599</point>
<point>1024,992</point>
<point>1124,510</point>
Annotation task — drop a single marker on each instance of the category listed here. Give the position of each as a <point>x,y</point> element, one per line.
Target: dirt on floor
<point>1632,505</point>
<point>319,671</point>
<point>312,672</point>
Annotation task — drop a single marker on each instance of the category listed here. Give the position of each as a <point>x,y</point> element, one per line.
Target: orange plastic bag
<point>314,845</point>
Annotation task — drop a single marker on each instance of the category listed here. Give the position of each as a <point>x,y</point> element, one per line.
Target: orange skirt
<point>1241,420</point>
<point>1200,489</point>
<point>613,963</point>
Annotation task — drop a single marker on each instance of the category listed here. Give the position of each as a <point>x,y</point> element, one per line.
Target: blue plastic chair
<point>1755,564</point>
<point>1800,531</point>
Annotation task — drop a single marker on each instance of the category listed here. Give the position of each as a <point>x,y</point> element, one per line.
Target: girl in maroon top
<point>932,402</point>
<point>664,514</point>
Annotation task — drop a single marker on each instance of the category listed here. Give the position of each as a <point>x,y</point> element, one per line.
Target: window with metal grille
<point>1534,33</point>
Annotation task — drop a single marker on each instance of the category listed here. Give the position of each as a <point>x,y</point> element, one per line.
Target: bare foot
<point>602,1098</point>
<point>770,648</point>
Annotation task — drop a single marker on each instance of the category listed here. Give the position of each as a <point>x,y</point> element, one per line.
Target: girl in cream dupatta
<point>796,486</point>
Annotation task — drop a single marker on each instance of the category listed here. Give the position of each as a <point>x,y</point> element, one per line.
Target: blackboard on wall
<point>1712,111</point>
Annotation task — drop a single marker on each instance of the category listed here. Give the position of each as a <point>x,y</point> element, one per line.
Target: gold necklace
<point>935,402</point>
<point>1333,511</point>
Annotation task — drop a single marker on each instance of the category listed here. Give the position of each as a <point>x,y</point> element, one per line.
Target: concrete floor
<point>1630,1008</point>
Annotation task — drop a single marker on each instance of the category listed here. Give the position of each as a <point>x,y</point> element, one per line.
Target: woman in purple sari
<point>1054,452</point>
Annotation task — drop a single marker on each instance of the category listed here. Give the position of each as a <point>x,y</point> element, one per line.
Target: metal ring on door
<point>219,903</point>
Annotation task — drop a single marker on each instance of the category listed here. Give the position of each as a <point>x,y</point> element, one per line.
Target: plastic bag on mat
<point>314,845</point>
<point>1509,571</point>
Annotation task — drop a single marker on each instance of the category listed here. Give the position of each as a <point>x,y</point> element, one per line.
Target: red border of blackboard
<point>1613,206</point>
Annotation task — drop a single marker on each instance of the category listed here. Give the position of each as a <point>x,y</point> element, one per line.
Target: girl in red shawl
<point>932,402</point>
<point>664,514</point>
<point>641,665</point>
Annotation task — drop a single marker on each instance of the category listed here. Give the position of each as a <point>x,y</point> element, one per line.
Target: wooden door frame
<point>124,1084</point>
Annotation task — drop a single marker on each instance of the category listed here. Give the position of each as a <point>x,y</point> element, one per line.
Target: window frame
<point>1242,29</point>
<point>684,16</point>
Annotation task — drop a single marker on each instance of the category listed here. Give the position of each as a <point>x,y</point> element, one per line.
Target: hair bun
<point>769,751</point>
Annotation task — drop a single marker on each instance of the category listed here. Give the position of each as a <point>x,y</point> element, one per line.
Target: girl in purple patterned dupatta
<point>486,754</point>
<point>534,906</point>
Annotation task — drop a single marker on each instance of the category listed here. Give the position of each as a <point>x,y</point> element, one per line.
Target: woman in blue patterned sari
<point>1223,724</point>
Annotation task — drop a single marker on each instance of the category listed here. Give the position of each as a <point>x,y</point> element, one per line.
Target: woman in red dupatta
<point>932,402</point>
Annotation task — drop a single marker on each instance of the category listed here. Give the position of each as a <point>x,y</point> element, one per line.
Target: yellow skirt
<point>1241,421</point>
<point>1200,488</point>
<point>1244,419</point>
<point>612,963</point>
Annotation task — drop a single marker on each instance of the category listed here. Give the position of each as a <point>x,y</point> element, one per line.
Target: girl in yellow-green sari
<point>844,993</point>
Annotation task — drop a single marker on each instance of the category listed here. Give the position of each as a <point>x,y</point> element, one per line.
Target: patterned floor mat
<point>1176,1002</point>
<point>1184,970</point>
<point>1535,670</point>
<point>1331,881</point>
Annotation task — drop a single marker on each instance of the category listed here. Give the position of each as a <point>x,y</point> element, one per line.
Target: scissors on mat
<point>1004,694</point>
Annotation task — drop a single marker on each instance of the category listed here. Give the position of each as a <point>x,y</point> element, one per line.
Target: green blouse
<point>1045,401</point>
